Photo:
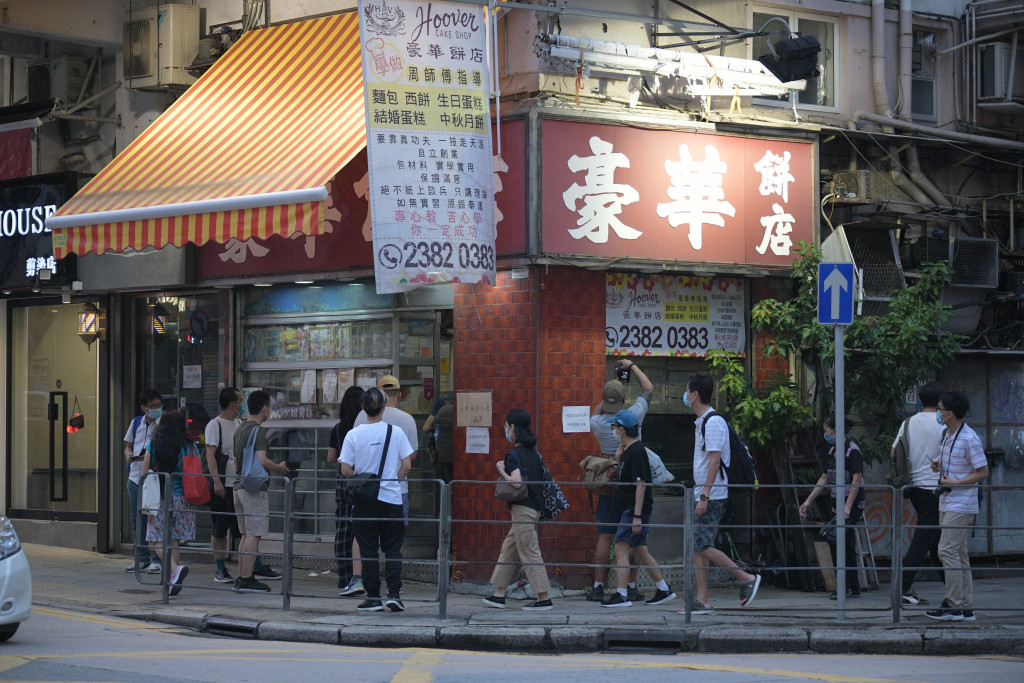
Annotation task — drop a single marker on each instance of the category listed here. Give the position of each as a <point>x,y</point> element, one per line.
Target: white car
<point>15,581</point>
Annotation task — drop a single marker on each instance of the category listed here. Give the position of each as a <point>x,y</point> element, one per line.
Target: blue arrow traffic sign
<point>835,293</point>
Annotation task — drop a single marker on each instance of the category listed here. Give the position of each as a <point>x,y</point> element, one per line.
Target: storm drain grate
<point>660,640</point>
<point>232,628</point>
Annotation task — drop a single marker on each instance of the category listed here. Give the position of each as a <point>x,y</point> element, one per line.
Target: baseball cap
<point>614,395</point>
<point>625,418</point>
<point>388,382</point>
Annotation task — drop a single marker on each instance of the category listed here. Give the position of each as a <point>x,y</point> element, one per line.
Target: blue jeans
<point>140,524</point>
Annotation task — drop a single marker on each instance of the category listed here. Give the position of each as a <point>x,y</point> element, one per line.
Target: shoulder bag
<point>551,495</point>
<point>193,482</point>
<point>364,488</point>
<point>150,501</point>
<point>507,490</point>
<point>253,477</point>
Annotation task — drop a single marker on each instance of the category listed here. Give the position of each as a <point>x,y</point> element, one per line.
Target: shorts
<point>222,510</point>
<point>253,512</point>
<point>183,522</point>
<point>405,508</point>
<point>705,527</point>
<point>606,514</point>
<point>625,534</point>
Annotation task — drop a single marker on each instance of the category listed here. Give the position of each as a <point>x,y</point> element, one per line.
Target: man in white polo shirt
<point>961,465</point>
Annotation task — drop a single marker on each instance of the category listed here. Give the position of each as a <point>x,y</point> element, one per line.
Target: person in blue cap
<point>634,500</point>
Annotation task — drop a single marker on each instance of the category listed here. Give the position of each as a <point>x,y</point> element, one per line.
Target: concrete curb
<point>875,642</point>
<point>752,639</point>
<point>497,638</point>
<point>301,633</point>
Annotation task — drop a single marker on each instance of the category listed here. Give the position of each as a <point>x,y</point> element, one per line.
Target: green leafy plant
<point>886,356</point>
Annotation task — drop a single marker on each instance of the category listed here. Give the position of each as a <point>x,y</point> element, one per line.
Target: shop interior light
<point>160,320</point>
<point>91,324</point>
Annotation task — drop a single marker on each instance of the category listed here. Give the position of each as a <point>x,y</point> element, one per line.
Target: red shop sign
<point>674,196</point>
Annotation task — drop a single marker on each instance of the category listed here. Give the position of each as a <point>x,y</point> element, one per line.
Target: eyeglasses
<point>153,406</point>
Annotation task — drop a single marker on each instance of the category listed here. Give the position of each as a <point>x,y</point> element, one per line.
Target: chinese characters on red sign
<point>669,195</point>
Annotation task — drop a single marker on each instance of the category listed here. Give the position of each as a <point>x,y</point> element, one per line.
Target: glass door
<point>54,378</point>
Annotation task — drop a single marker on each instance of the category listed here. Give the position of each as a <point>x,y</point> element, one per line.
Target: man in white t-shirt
<point>220,439</point>
<point>136,440</point>
<point>393,415</point>
<point>711,455</point>
<point>379,525</point>
<point>923,436</point>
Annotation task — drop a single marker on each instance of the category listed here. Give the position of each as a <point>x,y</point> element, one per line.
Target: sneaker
<point>371,605</point>
<point>249,584</point>
<point>661,596</point>
<point>354,587</point>
<point>945,613</point>
<point>496,601</point>
<point>223,576</point>
<point>748,591</point>
<point>969,615</point>
<point>179,578</point>
<point>395,604</point>
<point>131,568</point>
<point>850,593</point>
<point>910,599</point>
<point>697,608</point>
<point>595,594</point>
<point>634,595</point>
<point>617,600</point>
<point>539,605</point>
<point>154,568</point>
<point>267,573</point>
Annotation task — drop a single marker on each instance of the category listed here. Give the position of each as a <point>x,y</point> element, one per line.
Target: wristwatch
<point>637,516</point>
<point>705,497</point>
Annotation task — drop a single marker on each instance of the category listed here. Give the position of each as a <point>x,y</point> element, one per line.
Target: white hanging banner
<point>428,140</point>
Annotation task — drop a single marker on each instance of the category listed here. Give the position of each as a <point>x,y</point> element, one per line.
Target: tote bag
<point>253,477</point>
<point>193,482</point>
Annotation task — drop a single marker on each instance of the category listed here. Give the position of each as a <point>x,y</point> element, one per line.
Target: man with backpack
<point>220,462</point>
<point>712,454</point>
<point>136,440</point>
<point>612,400</point>
<point>921,434</point>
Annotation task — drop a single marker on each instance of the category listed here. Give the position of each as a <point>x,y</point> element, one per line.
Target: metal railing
<point>892,530</point>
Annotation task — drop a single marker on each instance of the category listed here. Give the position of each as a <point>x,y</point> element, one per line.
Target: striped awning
<point>247,151</point>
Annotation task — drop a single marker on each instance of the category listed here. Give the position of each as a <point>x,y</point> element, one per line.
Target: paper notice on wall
<point>428,143</point>
<point>192,377</point>
<point>474,409</point>
<point>330,386</point>
<point>308,388</point>
<point>478,440</point>
<point>575,419</point>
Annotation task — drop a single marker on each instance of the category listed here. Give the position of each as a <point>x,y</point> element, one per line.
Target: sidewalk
<point>780,620</point>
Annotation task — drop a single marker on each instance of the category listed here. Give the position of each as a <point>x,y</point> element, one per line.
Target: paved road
<point>64,645</point>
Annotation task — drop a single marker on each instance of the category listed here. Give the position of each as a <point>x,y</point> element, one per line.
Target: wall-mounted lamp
<point>793,59</point>
<point>92,324</point>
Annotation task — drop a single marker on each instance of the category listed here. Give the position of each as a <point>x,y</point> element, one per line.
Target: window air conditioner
<point>851,184</point>
<point>994,72</point>
<point>159,42</point>
<point>57,78</point>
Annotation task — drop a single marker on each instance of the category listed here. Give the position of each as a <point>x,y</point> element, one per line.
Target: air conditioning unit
<point>57,78</point>
<point>851,184</point>
<point>159,42</point>
<point>994,72</point>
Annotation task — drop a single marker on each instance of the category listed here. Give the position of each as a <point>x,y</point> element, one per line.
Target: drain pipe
<point>878,60</point>
<point>906,101</point>
<point>888,122</point>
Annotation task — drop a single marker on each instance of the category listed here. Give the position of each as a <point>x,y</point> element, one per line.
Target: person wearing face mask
<point>961,465</point>
<point>521,464</point>
<point>853,502</point>
<point>139,433</point>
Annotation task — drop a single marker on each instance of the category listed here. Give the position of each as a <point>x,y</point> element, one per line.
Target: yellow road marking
<point>13,662</point>
<point>101,620</point>
<point>419,667</point>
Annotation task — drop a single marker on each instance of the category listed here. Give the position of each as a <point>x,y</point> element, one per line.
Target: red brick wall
<point>537,344</point>
<point>767,369</point>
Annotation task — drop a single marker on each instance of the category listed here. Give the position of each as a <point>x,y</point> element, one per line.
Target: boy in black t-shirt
<point>634,500</point>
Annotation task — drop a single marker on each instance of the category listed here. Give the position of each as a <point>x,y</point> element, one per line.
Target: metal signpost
<point>835,307</point>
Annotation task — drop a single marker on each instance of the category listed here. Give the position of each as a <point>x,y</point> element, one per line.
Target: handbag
<point>659,473</point>
<point>253,477</point>
<point>150,502</point>
<point>507,490</point>
<point>551,494</point>
<point>193,482</point>
<point>364,488</point>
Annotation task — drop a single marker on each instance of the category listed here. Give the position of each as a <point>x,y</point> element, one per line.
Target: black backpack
<point>741,468</point>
